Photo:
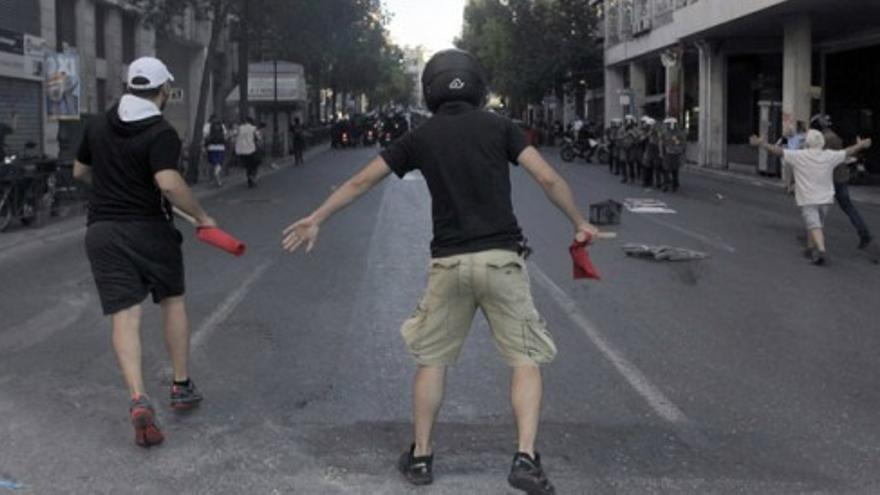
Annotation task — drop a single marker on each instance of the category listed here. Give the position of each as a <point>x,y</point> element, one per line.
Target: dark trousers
<point>841,195</point>
<point>251,164</point>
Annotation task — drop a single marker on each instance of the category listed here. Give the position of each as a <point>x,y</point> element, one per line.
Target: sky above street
<point>431,23</point>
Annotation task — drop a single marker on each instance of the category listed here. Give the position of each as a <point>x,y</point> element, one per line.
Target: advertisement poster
<point>63,90</point>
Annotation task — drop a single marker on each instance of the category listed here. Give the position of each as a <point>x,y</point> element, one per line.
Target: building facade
<point>728,69</point>
<point>103,37</point>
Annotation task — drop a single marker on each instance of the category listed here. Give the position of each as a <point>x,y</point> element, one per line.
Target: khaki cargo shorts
<point>496,282</point>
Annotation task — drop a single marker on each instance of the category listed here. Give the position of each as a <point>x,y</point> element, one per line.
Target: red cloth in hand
<point>583,267</point>
<point>221,239</point>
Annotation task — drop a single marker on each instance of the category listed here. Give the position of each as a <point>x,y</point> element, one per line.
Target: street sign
<point>176,95</point>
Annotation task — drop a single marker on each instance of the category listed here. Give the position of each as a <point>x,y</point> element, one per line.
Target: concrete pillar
<point>113,53</point>
<point>638,86</point>
<point>48,33</point>
<point>672,63</point>
<point>613,88</point>
<point>713,106</point>
<point>797,67</point>
<point>85,46</point>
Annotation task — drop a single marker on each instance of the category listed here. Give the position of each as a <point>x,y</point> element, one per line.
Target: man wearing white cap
<point>129,156</point>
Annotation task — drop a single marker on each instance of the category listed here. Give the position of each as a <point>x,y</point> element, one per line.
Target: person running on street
<point>813,169</point>
<point>129,156</point>
<point>823,124</point>
<point>247,142</point>
<point>215,147</point>
<point>477,253</point>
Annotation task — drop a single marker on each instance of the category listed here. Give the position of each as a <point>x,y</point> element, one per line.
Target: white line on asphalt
<point>658,401</point>
<point>226,307</point>
<point>45,324</point>
<point>690,233</point>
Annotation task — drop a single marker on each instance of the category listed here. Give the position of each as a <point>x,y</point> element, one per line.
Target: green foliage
<point>533,47</point>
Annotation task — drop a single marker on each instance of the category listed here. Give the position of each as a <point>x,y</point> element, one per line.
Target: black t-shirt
<point>465,153</point>
<point>124,157</point>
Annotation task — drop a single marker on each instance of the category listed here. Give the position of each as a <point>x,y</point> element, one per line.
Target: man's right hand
<point>586,231</point>
<point>304,231</point>
<point>206,222</point>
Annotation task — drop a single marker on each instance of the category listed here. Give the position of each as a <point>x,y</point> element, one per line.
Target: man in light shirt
<point>813,169</point>
<point>247,140</point>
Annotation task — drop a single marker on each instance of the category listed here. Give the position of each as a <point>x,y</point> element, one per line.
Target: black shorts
<point>131,259</point>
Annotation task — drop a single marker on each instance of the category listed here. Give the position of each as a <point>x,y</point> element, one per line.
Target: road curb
<point>857,193</point>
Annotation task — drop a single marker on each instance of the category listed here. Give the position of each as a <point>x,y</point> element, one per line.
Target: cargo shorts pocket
<point>508,279</point>
<point>538,344</point>
<point>412,328</point>
<point>443,279</point>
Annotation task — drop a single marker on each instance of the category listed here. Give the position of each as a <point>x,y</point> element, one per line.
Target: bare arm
<point>771,148</point>
<point>82,172</point>
<point>306,229</point>
<point>861,144</point>
<point>175,189</point>
<point>556,189</point>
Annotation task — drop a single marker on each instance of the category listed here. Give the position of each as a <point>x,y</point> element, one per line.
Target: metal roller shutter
<point>21,99</point>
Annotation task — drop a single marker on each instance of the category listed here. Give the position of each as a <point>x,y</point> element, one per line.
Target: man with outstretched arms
<point>477,258</point>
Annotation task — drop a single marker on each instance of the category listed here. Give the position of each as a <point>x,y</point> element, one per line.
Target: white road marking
<point>659,402</point>
<point>221,312</point>
<point>45,324</point>
<point>694,235</point>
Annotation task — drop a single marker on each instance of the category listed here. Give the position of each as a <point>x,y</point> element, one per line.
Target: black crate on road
<point>606,213</point>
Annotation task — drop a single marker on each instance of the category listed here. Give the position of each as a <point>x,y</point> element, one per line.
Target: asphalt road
<point>750,372</point>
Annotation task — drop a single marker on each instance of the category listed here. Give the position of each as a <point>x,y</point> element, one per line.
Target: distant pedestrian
<point>477,253</point>
<point>652,160</point>
<point>299,141</point>
<point>247,141</point>
<point>215,146</point>
<point>823,124</point>
<point>813,169</point>
<point>612,135</point>
<point>129,156</point>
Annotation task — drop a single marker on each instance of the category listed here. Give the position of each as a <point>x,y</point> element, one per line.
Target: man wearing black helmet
<point>477,254</point>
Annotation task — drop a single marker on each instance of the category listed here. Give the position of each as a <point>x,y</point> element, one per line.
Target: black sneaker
<point>865,241</point>
<point>527,474</point>
<point>819,258</point>
<point>185,397</point>
<point>417,470</point>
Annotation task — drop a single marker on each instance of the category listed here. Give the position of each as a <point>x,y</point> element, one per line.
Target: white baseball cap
<point>148,73</point>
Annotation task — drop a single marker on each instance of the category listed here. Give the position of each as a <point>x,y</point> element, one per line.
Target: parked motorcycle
<point>28,191</point>
<point>589,149</point>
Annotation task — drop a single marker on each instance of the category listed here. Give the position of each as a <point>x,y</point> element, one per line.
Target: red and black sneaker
<point>143,418</point>
<point>185,396</point>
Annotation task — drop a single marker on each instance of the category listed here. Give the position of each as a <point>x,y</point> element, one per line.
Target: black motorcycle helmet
<point>453,75</point>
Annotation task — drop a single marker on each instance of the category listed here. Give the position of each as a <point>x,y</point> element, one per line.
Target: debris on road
<point>10,485</point>
<point>647,205</point>
<point>663,253</point>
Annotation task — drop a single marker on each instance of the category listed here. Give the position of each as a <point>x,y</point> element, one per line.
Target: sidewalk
<point>860,194</point>
<point>22,240</point>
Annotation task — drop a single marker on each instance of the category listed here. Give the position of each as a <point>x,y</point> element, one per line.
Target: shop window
<point>100,17</point>
<point>65,23</point>
<point>129,28</point>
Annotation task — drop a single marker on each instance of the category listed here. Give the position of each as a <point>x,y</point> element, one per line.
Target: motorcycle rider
<point>672,147</point>
<point>823,123</point>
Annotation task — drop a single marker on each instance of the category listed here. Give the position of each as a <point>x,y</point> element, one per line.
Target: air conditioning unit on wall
<point>641,26</point>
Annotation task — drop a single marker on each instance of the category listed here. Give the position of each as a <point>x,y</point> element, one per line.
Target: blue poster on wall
<point>63,89</point>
